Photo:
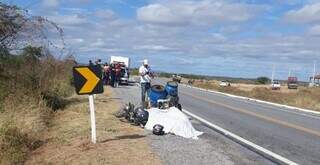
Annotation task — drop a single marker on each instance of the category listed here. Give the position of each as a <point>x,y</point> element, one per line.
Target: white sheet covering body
<point>173,121</point>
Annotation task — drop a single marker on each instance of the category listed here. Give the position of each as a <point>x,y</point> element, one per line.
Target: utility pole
<point>314,73</point>
<point>272,75</point>
<point>289,74</point>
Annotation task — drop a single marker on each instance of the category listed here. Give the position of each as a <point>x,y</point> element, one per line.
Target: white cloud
<point>307,14</point>
<point>119,35</point>
<point>314,30</point>
<point>182,30</point>
<point>204,12</point>
<point>81,1</point>
<point>65,20</point>
<point>74,41</point>
<point>289,2</point>
<point>152,47</point>
<point>160,14</point>
<point>54,4</point>
<point>105,14</point>
<point>98,43</point>
<point>50,3</point>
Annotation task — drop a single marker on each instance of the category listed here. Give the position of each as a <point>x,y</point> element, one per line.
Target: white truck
<point>125,62</point>
<point>224,83</point>
<point>275,85</point>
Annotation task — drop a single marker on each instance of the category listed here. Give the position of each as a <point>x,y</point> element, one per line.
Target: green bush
<point>262,80</point>
<point>134,72</point>
<point>53,100</point>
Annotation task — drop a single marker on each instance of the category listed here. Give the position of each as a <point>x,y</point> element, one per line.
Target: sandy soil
<point>68,140</point>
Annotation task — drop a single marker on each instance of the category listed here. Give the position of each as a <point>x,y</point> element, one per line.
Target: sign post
<point>93,120</point>
<point>87,81</point>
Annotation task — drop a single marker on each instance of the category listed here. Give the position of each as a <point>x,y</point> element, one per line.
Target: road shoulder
<point>68,140</point>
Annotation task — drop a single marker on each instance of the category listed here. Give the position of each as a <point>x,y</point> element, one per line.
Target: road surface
<point>292,134</point>
<point>210,148</point>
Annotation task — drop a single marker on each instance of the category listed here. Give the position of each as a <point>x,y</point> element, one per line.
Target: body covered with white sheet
<point>173,121</point>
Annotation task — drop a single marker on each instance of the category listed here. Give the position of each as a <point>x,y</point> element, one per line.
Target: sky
<point>235,38</point>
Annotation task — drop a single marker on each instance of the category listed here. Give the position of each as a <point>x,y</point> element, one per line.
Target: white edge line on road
<point>256,100</point>
<point>269,154</point>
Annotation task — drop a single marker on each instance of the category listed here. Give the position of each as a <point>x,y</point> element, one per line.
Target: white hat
<point>145,62</point>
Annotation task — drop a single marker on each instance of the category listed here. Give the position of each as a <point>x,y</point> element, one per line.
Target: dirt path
<point>68,139</point>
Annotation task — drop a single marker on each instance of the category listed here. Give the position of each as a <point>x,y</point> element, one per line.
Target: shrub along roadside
<point>32,81</point>
<point>33,86</point>
<point>15,145</point>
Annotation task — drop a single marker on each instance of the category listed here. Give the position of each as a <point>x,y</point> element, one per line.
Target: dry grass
<point>22,126</point>
<point>304,97</point>
<point>47,127</point>
<point>23,106</point>
<point>15,144</point>
<point>68,139</point>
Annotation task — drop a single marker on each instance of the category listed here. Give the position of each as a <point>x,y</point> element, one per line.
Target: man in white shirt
<point>145,80</point>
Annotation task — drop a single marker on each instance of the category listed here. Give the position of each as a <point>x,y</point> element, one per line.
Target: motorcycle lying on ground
<point>137,116</point>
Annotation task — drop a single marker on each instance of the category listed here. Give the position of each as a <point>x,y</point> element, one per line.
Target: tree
<point>32,53</point>
<point>24,42</point>
<point>19,29</point>
<point>262,80</point>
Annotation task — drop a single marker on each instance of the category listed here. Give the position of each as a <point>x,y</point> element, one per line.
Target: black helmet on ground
<point>158,129</point>
<point>141,116</point>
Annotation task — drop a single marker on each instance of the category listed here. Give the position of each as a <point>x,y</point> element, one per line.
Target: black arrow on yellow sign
<point>87,79</point>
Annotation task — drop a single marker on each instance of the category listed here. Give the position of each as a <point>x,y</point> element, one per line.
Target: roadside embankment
<point>68,138</point>
<point>42,121</point>
<point>32,90</point>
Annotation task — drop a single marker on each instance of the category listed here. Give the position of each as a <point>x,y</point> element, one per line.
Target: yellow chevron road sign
<point>87,79</point>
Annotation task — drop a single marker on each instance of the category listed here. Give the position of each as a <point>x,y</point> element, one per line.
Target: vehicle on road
<point>224,83</point>
<point>125,65</point>
<point>176,78</point>
<point>292,83</point>
<point>275,85</point>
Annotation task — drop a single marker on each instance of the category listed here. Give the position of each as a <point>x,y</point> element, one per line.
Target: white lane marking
<point>290,111</point>
<point>262,103</point>
<point>259,101</point>
<point>272,108</point>
<point>275,157</point>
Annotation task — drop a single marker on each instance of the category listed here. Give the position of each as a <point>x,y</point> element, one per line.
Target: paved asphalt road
<point>210,148</point>
<point>292,134</point>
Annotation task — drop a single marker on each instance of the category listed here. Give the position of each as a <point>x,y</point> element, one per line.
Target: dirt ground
<point>68,139</point>
<point>250,87</point>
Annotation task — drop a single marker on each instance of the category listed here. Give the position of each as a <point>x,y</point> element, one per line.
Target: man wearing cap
<point>145,80</point>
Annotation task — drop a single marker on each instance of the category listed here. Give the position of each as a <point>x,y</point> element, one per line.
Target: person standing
<point>90,63</point>
<point>98,62</point>
<point>145,81</point>
<point>117,74</point>
<point>106,73</point>
<point>112,74</point>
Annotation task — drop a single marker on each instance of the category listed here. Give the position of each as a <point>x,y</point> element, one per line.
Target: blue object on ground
<point>172,88</point>
<point>157,92</point>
